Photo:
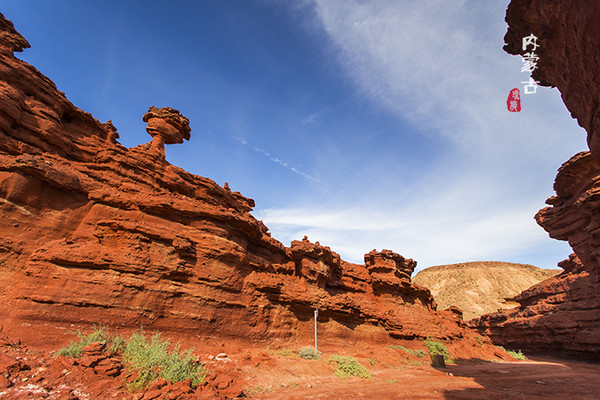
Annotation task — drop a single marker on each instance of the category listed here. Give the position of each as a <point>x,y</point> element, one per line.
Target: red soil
<point>271,370</point>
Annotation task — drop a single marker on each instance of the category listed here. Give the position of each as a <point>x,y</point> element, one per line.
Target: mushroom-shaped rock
<point>166,125</point>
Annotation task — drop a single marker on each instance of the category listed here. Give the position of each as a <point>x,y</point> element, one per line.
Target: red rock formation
<point>166,126</point>
<point>558,316</point>
<point>94,232</point>
<point>563,312</point>
<point>388,270</point>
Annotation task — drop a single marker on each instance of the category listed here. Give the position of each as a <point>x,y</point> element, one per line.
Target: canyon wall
<point>562,314</point>
<point>93,232</point>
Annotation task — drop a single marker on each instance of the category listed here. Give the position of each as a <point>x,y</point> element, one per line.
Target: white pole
<point>316,349</point>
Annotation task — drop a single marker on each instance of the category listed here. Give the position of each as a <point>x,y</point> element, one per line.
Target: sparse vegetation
<point>258,389</point>
<point>280,352</point>
<point>115,344</point>
<point>308,353</point>
<point>149,359</point>
<point>517,355</point>
<point>152,359</point>
<point>289,385</point>
<point>435,347</point>
<point>479,340</point>
<point>418,353</point>
<point>348,366</point>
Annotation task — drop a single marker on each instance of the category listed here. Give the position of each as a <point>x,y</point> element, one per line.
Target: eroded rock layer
<point>563,312</point>
<point>93,232</point>
<point>558,316</point>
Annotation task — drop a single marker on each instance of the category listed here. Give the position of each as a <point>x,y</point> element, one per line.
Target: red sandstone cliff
<point>558,316</point>
<point>93,232</point>
<point>563,312</point>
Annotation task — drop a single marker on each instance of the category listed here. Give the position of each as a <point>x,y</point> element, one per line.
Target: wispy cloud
<point>277,160</point>
<point>311,118</point>
<point>438,66</point>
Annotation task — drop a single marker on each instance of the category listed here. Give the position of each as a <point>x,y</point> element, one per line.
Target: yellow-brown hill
<point>480,287</point>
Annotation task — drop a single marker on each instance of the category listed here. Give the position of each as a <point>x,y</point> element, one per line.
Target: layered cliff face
<point>564,311</point>
<point>558,316</point>
<point>93,232</point>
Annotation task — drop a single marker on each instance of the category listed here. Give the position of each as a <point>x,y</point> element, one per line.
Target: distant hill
<point>480,287</point>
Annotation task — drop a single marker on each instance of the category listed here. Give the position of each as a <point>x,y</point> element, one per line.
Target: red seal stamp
<point>513,103</point>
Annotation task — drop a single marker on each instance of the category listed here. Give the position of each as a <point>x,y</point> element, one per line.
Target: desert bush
<point>308,353</point>
<point>116,344</point>
<point>435,347</point>
<point>99,334</point>
<point>517,355</point>
<point>348,366</point>
<point>479,340</point>
<point>152,359</point>
<point>418,353</point>
<point>280,352</point>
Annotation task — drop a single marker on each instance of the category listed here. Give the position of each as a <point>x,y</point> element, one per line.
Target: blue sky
<point>363,125</point>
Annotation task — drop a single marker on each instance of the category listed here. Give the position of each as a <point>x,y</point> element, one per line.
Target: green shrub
<point>348,366</point>
<point>435,347</point>
<point>280,352</point>
<point>151,359</point>
<point>100,334</point>
<point>117,344</point>
<point>418,353</point>
<point>517,355</point>
<point>479,340</point>
<point>72,350</point>
<point>308,353</point>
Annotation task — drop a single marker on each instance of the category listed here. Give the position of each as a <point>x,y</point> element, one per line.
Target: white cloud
<point>435,230</point>
<point>427,239</point>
